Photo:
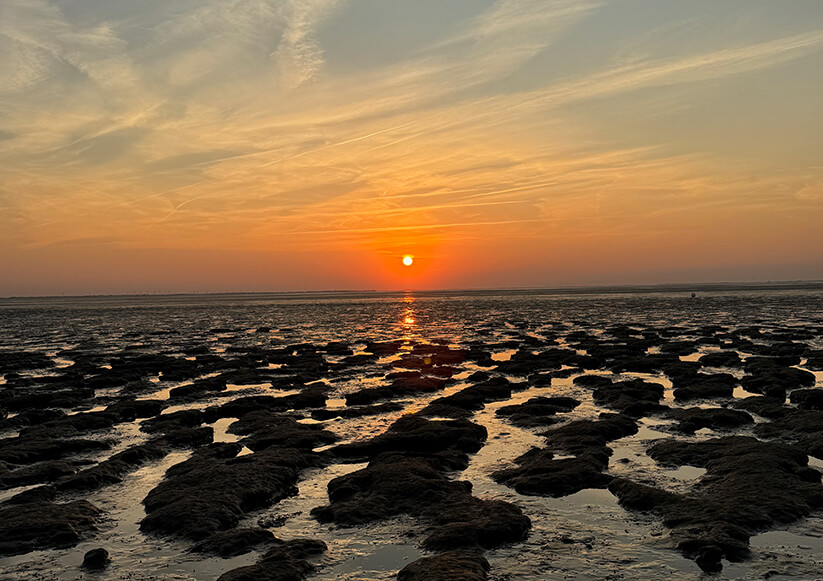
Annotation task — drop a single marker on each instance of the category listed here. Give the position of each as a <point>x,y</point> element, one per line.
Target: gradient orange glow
<point>214,147</point>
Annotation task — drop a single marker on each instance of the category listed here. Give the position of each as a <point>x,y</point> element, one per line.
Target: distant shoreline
<point>331,294</point>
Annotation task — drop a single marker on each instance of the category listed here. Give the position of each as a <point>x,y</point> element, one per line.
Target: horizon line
<point>614,288</point>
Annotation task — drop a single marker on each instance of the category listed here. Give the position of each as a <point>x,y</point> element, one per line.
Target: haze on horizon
<point>240,145</point>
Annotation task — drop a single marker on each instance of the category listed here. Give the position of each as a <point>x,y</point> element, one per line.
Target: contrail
<point>331,145</point>
<point>421,227</point>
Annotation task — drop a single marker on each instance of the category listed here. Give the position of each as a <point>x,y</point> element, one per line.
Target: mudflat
<point>521,435</point>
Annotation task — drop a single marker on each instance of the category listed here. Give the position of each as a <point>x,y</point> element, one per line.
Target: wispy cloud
<point>225,123</point>
<point>299,56</point>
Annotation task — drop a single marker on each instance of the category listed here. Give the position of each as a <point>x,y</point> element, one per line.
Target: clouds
<point>299,56</point>
<point>233,124</point>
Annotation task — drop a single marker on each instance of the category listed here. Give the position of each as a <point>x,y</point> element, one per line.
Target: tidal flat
<point>624,434</point>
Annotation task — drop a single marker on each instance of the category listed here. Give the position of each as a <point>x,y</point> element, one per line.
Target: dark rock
<point>43,445</point>
<point>338,348</point>
<point>807,399</point>
<point>439,354</point>
<point>471,399</point>
<point>187,437</point>
<point>582,436</point>
<point>312,395</point>
<point>36,474</point>
<point>173,421</point>
<point>96,559</point>
<point>801,427</point>
<point>373,410</point>
<point>705,386</point>
<point>198,389</point>
<point>538,411</point>
<point>768,407</point>
<point>44,493</point>
<point>129,410</point>
<point>400,387</point>
<point>114,469</point>
<point>451,566</point>
<point>540,473</point>
<point>749,486</point>
<point>635,398</point>
<point>234,542</point>
<point>39,398</point>
<point>413,433</point>
<point>23,361</point>
<point>72,425</point>
<point>769,377</point>
<point>265,428</point>
<point>212,490</point>
<point>32,418</point>
<point>721,359</point>
<point>44,525</point>
<point>692,419</point>
<point>284,562</point>
<point>470,522</point>
<point>394,484</point>
<point>525,362</point>
<point>592,381</point>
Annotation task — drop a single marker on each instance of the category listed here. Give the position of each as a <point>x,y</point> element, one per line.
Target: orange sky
<point>287,145</point>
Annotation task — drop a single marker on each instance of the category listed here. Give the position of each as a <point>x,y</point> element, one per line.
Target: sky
<point>275,145</point>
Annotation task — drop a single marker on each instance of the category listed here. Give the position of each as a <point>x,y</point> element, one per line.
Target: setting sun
<point>408,260</point>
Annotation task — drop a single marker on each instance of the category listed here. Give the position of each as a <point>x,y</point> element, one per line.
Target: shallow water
<point>582,536</point>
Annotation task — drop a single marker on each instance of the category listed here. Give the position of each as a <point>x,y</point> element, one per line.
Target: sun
<point>408,260</point>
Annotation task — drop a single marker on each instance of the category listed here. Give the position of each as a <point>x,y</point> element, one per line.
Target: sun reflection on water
<point>408,322</point>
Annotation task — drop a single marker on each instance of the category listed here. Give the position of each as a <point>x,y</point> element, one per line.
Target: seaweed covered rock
<point>807,399</point>
<point>538,411</point>
<point>413,433</point>
<point>539,473</point>
<point>213,489</point>
<point>451,566</point>
<point>285,562</point>
<point>173,421</point>
<point>234,542</point>
<point>265,428</point>
<point>720,359</point>
<point>774,377</point>
<point>801,427</point>
<point>406,386</point>
<point>312,395</point>
<point>768,407</point>
<point>692,419</point>
<point>749,486</point>
<point>37,473</point>
<point>704,386</point>
<point>324,414</point>
<point>634,397</point>
<point>41,525</point>
<point>43,445</point>
<point>394,484</point>
<point>470,399</point>
<point>115,468</point>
